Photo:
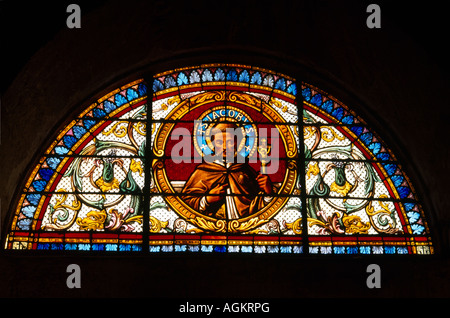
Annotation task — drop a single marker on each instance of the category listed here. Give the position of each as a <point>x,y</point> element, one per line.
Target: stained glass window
<point>86,192</point>
<point>233,159</point>
<point>359,201</point>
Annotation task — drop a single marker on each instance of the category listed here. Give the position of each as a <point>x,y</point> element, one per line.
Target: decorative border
<point>220,74</point>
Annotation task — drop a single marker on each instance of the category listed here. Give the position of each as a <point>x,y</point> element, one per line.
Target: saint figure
<point>227,187</point>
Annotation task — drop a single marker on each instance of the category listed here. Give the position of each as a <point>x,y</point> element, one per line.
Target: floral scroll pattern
<point>104,183</point>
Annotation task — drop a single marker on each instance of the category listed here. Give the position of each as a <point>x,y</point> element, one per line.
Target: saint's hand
<point>217,193</point>
<point>264,183</point>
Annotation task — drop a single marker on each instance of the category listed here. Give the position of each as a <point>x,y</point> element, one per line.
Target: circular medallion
<point>242,196</point>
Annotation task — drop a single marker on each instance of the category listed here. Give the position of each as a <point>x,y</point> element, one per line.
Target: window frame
<point>146,197</point>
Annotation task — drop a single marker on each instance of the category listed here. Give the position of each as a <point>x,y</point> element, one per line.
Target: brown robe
<point>241,179</point>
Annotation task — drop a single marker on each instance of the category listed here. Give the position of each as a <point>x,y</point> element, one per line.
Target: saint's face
<point>224,143</point>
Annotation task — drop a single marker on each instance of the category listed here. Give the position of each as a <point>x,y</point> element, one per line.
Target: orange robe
<point>241,180</point>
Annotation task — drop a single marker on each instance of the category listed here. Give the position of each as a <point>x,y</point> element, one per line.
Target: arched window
<point>233,158</point>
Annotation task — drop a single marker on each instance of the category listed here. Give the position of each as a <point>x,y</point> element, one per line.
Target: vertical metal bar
<point>147,168</point>
<point>301,167</point>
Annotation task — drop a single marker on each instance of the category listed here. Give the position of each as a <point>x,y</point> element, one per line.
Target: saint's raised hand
<point>264,183</point>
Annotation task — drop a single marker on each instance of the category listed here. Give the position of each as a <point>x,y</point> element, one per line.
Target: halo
<point>224,114</point>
